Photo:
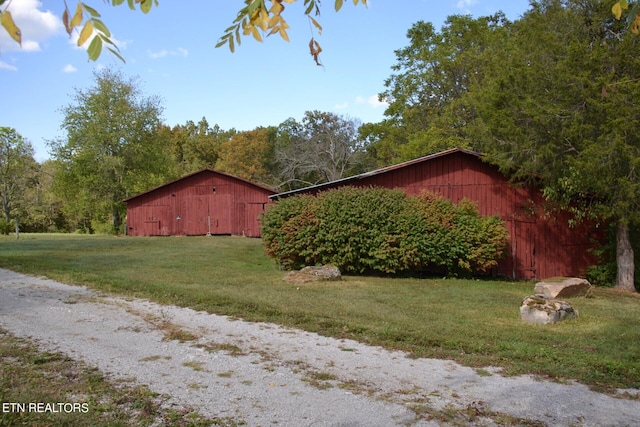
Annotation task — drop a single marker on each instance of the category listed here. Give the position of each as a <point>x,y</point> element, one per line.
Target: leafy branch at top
<point>258,19</point>
<point>85,19</point>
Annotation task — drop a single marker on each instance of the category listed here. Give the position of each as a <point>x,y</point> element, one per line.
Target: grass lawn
<point>475,322</point>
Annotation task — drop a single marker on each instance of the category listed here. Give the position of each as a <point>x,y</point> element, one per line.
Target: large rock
<point>313,274</point>
<point>562,287</point>
<point>542,311</point>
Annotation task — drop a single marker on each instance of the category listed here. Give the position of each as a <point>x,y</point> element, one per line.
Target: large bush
<point>380,230</point>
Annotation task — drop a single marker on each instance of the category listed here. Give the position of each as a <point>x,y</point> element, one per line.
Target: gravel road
<point>264,375</point>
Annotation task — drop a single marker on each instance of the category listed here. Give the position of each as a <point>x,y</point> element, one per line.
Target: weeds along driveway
<point>262,374</point>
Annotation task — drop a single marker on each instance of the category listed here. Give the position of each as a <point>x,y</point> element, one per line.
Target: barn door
<point>524,250</point>
<point>196,216</point>
<point>220,213</point>
<point>151,222</point>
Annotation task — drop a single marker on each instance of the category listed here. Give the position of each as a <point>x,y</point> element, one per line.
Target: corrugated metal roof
<point>354,178</point>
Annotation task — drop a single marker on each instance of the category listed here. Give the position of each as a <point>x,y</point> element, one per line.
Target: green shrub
<point>381,230</point>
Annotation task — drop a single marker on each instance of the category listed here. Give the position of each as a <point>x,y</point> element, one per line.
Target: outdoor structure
<point>542,243</point>
<point>206,202</point>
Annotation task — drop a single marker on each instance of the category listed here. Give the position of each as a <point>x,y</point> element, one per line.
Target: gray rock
<point>562,287</point>
<point>539,310</point>
<point>313,274</point>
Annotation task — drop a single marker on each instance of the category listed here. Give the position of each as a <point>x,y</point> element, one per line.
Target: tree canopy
<point>559,102</point>
<point>110,150</point>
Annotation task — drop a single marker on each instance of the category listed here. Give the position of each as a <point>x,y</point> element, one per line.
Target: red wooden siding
<point>542,245</point>
<point>206,202</point>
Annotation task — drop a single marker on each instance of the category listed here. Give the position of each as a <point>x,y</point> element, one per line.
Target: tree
<point>255,18</point>
<point>561,103</point>
<point>324,147</point>
<point>428,108</point>
<point>247,154</point>
<point>43,208</point>
<point>17,174</point>
<point>195,146</point>
<point>111,150</point>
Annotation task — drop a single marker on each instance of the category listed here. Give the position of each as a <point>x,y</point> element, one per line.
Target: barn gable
<point>542,245</point>
<point>202,203</point>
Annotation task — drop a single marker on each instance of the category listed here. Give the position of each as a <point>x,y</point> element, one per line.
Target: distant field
<point>475,322</point>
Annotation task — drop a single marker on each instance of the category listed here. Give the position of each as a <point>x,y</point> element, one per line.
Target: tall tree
<point>324,147</point>
<point>562,102</point>
<point>18,171</point>
<point>110,150</point>
<point>428,108</point>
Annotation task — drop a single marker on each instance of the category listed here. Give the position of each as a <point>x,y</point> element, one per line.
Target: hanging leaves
<point>256,17</point>
<point>315,50</point>
<point>86,19</point>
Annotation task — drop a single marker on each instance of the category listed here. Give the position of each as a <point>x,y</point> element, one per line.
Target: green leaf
<point>101,27</point>
<point>339,4</point>
<point>117,54</point>
<point>95,48</point>
<point>145,6</point>
<point>117,2</point>
<point>91,11</point>
<point>309,8</point>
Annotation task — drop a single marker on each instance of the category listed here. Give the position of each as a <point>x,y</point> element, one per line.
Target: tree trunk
<point>624,259</point>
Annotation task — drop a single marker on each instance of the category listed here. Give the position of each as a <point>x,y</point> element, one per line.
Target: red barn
<point>542,244</point>
<point>202,203</point>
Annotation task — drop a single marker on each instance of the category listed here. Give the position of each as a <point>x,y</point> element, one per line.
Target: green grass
<point>475,322</point>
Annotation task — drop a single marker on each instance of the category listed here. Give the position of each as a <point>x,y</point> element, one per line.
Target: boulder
<point>313,274</point>
<point>562,287</point>
<point>542,311</point>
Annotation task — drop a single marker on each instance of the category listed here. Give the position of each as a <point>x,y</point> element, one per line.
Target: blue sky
<point>172,52</point>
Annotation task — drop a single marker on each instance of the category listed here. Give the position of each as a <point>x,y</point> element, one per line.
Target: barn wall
<point>541,246</point>
<point>199,204</point>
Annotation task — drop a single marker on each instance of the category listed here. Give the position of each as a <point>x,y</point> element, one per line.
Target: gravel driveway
<point>264,375</point>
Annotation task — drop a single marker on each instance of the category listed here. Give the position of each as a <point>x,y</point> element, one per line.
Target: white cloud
<point>342,106</point>
<point>164,53</point>
<point>372,101</point>
<point>69,69</point>
<point>5,66</point>
<point>464,5</point>
<point>35,25</point>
